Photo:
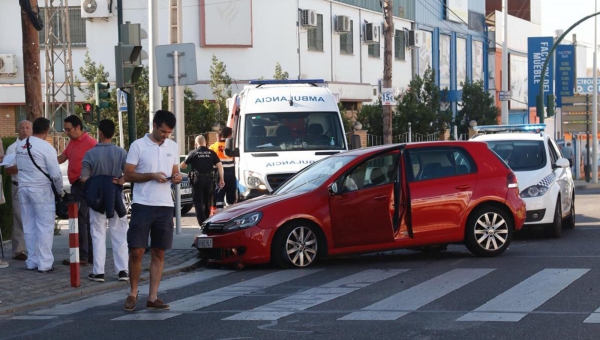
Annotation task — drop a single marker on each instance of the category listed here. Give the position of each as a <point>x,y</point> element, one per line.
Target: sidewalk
<point>20,288</point>
<point>581,184</point>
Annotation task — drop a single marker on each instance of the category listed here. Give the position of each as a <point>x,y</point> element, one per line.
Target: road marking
<point>34,317</point>
<point>315,296</point>
<point>418,296</point>
<point>222,294</point>
<point>114,297</point>
<point>515,303</point>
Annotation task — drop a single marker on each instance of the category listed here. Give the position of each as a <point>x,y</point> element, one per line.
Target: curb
<point>189,264</point>
<point>587,186</point>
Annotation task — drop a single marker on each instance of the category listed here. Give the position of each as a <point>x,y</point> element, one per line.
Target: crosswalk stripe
<point>114,297</point>
<point>316,296</point>
<point>222,294</point>
<point>515,303</point>
<point>418,296</point>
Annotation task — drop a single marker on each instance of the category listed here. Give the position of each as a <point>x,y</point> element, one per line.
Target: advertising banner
<point>585,85</point>
<point>565,72</point>
<point>537,53</point>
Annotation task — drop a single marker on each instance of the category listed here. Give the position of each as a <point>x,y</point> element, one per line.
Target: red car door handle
<point>463,187</point>
<point>380,198</point>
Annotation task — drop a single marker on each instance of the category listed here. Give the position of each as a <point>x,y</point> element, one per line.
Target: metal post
<point>155,95</point>
<point>505,62</point>
<point>595,103</point>
<point>455,132</point>
<point>121,137</point>
<point>178,138</point>
<point>409,132</point>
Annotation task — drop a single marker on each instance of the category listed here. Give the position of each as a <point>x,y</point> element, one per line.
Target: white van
<point>279,127</point>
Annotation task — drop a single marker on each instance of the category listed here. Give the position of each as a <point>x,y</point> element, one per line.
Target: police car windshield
<point>313,175</point>
<point>285,131</point>
<point>520,155</point>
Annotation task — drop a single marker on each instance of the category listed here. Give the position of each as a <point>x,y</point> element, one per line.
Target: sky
<point>561,14</point>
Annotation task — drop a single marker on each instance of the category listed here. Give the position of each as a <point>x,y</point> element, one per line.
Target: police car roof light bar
<point>510,128</point>
<point>261,82</point>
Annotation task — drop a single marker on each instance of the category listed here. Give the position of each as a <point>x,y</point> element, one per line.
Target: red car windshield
<point>314,175</point>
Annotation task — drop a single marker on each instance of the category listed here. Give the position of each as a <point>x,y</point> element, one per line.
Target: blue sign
<point>565,72</point>
<point>537,53</point>
<point>585,85</point>
<point>122,100</point>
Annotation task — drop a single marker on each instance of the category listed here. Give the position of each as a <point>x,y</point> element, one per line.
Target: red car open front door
<point>362,214</point>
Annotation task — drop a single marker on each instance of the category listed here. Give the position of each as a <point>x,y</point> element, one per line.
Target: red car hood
<point>255,204</point>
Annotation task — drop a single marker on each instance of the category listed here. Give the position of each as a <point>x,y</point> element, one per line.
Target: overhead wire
<point>34,16</point>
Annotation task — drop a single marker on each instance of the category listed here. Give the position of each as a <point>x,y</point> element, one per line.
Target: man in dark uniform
<point>202,160</point>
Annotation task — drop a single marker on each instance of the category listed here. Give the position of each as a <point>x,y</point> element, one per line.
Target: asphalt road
<point>539,289</point>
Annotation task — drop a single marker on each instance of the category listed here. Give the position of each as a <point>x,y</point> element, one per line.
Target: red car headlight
<point>243,222</point>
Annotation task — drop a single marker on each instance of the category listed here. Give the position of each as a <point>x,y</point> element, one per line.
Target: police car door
<point>562,177</point>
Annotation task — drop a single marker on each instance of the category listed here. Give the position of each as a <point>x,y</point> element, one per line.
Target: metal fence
<point>373,140</point>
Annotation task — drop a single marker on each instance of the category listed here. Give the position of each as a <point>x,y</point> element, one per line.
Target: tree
<point>371,118</point>
<point>420,106</point>
<point>478,105</point>
<point>279,74</point>
<point>220,84</point>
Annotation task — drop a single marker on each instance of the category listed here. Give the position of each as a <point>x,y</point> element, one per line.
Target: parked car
<point>373,199</point>
<point>543,173</point>
<point>185,189</point>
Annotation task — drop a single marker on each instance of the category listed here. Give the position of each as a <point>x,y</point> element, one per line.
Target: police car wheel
<point>555,229</point>
<point>569,222</point>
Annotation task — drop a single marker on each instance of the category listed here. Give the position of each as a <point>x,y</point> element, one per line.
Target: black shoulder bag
<point>62,208</point>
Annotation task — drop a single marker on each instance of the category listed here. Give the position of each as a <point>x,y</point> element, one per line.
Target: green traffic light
<point>101,92</point>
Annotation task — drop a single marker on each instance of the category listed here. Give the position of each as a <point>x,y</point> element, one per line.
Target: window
<point>399,45</point>
<point>315,35</point>
<point>520,155</point>
<point>76,23</point>
<point>347,40</point>
<point>432,163</point>
<point>374,172</point>
<point>20,115</point>
<point>375,50</point>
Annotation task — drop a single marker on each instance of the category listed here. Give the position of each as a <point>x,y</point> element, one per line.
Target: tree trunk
<point>388,28</point>
<point>31,65</point>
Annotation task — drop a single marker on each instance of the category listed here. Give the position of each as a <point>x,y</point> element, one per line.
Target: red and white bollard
<point>74,244</point>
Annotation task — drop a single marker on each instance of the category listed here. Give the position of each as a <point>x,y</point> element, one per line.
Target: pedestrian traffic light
<point>129,55</point>
<point>551,105</point>
<point>102,95</point>
<point>88,110</point>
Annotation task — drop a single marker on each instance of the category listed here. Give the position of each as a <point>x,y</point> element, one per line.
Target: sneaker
<point>157,304</point>
<point>47,270</point>
<point>123,276</point>
<point>96,277</point>
<point>3,264</point>
<point>130,303</point>
<point>20,257</point>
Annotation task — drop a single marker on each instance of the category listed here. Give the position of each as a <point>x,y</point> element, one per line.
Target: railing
<point>60,143</point>
<point>373,140</point>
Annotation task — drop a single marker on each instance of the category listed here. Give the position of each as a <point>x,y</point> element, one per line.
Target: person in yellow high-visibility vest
<point>229,190</point>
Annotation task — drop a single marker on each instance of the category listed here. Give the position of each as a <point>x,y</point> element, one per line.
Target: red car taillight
<point>512,181</point>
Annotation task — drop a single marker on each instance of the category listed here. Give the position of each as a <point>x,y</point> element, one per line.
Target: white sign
<point>457,10</point>
<point>121,100</point>
<point>387,96</point>
<point>504,96</point>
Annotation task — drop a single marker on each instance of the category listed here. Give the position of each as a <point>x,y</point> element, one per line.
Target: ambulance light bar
<point>286,81</point>
<point>510,128</point>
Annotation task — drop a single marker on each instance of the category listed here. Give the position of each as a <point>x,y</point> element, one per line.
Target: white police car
<point>544,176</point>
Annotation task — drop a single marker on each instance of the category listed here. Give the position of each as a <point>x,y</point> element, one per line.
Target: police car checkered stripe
<point>546,181</point>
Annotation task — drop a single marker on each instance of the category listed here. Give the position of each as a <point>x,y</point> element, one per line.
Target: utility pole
<point>155,95</point>
<point>505,69</point>
<point>595,102</point>
<point>388,30</point>
<point>31,59</point>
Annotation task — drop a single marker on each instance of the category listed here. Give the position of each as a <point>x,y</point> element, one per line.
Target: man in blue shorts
<point>152,165</point>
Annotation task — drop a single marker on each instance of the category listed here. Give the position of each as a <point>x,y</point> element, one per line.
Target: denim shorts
<point>156,222</point>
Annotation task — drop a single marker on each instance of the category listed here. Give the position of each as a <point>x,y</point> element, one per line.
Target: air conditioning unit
<point>96,8</point>
<point>342,24</point>
<point>415,38</point>
<point>8,64</point>
<point>372,33</point>
<point>309,18</point>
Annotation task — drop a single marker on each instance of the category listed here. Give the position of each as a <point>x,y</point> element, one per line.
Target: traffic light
<point>128,55</point>
<point>88,111</point>
<point>551,105</point>
<point>102,95</point>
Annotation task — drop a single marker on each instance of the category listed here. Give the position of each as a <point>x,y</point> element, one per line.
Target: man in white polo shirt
<point>152,165</point>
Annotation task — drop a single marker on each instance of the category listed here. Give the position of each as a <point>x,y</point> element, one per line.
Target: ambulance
<point>280,127</point>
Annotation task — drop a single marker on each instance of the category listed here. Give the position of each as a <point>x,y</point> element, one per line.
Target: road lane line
<point>114,297</point>
<point>418,296</point>
<point>315,296</point>
<point>222,294</point>
<point>515,303</point>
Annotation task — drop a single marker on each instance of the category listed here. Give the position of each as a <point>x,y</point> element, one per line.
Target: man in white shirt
<point>152,165</point>
<point>36,195</point>
<point>18,239</point>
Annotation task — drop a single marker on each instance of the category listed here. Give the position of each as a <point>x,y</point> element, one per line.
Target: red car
<point>374,199</point>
